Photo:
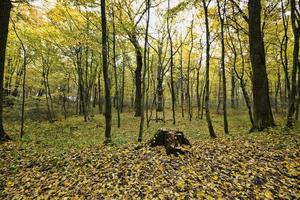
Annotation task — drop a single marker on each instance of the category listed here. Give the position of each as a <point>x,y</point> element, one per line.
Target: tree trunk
<point>188,73</point>
<point>171,65</point>
<point>283,49</point>
<point>296,30</point>
<point>123,85</point>
<point>207,113</point>
<point>24,81</point>
<point>181,81</point>
<point>232,89</point>
<point>115,71</point>
<point>263,117</point>
<point>138,74</point>
<point>107,135</point>
<point>171,140</point>
<point>100,106</point>
<point>140,135</point>
<point>222,19</point>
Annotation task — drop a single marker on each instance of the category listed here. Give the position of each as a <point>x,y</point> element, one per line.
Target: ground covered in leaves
<point>260,165</point>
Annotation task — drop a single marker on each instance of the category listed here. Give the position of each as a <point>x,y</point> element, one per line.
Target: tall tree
<point>207,112</point>
<point>295,18</point>
<point>189,71</point>
<point>115,69</point>
<point>262,113</point>
<point>140,135</point>
<point>24,80</point>
<point>221,11</point>
<point>107,114</point>
<point>5,8</point>
<point>171,63</point>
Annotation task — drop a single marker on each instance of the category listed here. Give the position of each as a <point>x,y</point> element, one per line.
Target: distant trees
<point>5,8</point>
<point>241,46</point>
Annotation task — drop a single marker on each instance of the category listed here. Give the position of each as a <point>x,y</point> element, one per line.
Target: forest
<point>149,99</point>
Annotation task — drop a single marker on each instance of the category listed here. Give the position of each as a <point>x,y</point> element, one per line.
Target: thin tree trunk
<point>100,106</point>
<point>222,19</point>
<point>181,80</point>
<point>207,113</point>
<point>107,135</point>
<point>123,84</point>
<point>115,71</point>
<point>171,64</point>
<point>188,72</point>
<point>24,81</point>
<point>140,136</point>
<point>296,30</point>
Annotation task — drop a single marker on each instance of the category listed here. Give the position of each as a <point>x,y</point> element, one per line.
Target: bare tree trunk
<point>298,100</point>
<point>277,88</point>
<point>171,64</point>
<point>181,80</point>
<point>138,74</point>
<point>5,8</point>
<point>105,75</point>
<point>198,92</point>
<point>263,117</point>
<point>283,49</point>
<point>219,100</point>
<point>123,84</point>
<point>222,19</point>
<point>207,113</point>
<point>24,80</point>
<point>140,136</point>
<point>232,89</point>
<point>100,106</point>
<point>46,93</point>
<point>115,71</point>
<point>296,30</point>
<point>188,72</point>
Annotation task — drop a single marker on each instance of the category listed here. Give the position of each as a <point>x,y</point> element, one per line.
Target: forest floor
<point>53,162</point>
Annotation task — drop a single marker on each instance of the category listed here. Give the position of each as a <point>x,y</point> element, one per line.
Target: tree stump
<point>172,141</point>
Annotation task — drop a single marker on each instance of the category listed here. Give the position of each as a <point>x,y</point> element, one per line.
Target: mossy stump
<point>172,140</point>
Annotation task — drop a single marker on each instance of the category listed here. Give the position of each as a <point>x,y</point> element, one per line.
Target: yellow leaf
<point>180,184</point>
<point>268,194</point>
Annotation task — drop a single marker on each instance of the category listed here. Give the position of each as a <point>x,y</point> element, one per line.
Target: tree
<point>140,135</point>
<point>105,75</point>
<point>115,69</point>
<point>207,112</point>
<point>131,28</point>
<point>263,117</point>
<point>221,12</point>
<point>5,8</point>
<point>171,63</point>
<point>295,19</point>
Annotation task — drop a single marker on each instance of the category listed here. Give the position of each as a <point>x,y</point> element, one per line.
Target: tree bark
<point>189,71</point>
<point>138,74</point>
<point>222,19</point>
<point>115,71</point>
<point>171,64</point>
<point>5,8</point>
<point>181,81</point>
<point>107,135</point>
<point>263,117</point>
<point>207,113</point>
<point>140,135</point>
<point>296,30</point>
